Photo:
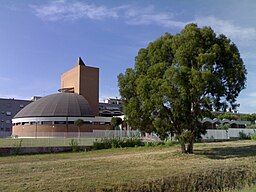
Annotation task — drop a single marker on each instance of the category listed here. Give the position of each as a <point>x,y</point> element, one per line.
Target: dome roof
<point>57,105</point>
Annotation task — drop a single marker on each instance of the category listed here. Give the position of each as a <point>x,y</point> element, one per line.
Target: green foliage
<point>251,126</point>
<point>180,79</point>
<point>244,136</point>
<point>224,126</point>
<point>228,116</point>
<point>79,122</point>
<point>248,117</point>
<point>17,147</point>
<point>184,137</point>
<point>151,143</point>
<point>107,143</point>
<point>235,116</point>
<point>253,136</point>
<point>168,143</point>
<point>74,145</point>
<point>116,121</point>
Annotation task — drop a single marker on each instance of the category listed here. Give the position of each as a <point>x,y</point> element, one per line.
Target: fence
<point>52,139</point>
<point>231,133</point>
<point>94,134</point>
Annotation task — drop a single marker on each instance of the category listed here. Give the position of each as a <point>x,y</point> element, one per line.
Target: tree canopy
<point>179,79</point>
<point>116,121</point>
<point>79,122</point>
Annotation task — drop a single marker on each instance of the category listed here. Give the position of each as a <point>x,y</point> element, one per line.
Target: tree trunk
<point>190,148</point>
<point>183,147</point>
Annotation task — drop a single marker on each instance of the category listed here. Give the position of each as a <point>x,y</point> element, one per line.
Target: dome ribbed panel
<point>57,105</point>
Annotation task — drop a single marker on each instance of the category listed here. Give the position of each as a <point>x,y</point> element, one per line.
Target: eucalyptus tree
<point>179,79</point>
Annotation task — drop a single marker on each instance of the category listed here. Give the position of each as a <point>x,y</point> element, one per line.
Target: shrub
<point>74,145</point>
<point>168,143</point>
<point>244,136</point>
<point>17,147</point>
<point>225,126</point>
<point>251,126</point>
<point>106,143</point>
<point>253,136</point>
<point>133,142</point>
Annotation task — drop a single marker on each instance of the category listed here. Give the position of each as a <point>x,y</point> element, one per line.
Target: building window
<point>46,122</point>
<point>8,113</point>
<point>60,122</point>
<point>8,121</point>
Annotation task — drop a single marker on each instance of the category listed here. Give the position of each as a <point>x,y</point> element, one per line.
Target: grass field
<point>85,171</point>
<point>43,142</point>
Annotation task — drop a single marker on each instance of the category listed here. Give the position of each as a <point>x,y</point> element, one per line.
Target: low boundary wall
<point>38,150</point>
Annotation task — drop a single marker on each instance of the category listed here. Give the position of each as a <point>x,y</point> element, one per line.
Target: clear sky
<point>40,40</point>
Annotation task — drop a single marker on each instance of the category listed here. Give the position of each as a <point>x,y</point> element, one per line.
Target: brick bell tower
<point>83,80</point>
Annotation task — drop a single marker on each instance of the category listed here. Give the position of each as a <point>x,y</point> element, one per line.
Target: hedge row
<point>107,143</point>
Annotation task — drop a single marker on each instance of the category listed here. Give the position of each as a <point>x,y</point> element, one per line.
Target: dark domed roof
<point>57,105</point>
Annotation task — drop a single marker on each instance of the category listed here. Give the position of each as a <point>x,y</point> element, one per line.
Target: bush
<point>133,142</point>
<point>244,136</point>
<point>168,143</point>
<point>151,143</point>
<point>107,143</point>
<point>17,147</point>
<point>74,145</point>
<point>225,126</point>
<point>253,136</point>
<point>252,126</point>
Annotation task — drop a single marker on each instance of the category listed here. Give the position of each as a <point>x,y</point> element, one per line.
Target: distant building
<point>111,107</point>
<point>8,109</point>
<point>114,101</point>
<point>215,123</point>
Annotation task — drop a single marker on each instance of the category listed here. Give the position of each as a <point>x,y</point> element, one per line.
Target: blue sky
<point>40,40</point>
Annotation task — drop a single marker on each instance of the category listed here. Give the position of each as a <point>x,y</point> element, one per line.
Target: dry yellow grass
<point>97,169</point>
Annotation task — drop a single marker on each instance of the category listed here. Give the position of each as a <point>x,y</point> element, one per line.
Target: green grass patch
<point>227,165</point>
<point>249,189</point>
<point>43,142</point>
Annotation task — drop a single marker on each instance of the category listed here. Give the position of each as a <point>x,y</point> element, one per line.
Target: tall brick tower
<point>83,80</point>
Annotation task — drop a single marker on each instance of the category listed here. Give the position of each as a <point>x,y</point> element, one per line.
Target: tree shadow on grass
<point>227,152</point>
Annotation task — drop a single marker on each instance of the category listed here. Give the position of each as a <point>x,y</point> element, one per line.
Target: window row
<point>59,123</point>
<point>7,121</point>
<point>8,113</point>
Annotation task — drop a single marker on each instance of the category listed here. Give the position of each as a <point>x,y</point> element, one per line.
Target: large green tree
<point>177,80</point>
